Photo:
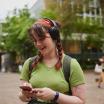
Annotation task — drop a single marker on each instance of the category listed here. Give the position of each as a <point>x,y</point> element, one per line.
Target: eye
<point>41,39</point>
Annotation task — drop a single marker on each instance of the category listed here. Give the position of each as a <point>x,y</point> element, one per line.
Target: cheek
<point>48,42</point>
<point>51,44</point>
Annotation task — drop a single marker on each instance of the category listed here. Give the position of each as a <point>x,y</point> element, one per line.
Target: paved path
<point>94,94</point>
<point>9,88</point>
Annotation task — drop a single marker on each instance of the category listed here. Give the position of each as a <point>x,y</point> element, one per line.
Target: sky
<point>9,5</point>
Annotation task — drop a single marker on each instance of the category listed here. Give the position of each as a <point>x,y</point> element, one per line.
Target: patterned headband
<point>44,22</point>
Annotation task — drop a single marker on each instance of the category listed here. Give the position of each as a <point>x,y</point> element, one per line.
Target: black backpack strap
<point>66,70</point>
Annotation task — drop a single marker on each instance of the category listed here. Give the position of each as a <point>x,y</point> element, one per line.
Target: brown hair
<point>42,26</point>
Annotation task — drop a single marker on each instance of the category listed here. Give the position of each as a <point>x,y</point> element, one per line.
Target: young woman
<point>47,81</point>
<point>98,67</point>
<point>101,79</point>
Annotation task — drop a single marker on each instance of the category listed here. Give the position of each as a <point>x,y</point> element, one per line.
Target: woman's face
<point>45,45</point>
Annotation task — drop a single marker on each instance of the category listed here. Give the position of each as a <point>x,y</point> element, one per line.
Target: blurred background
<point>82,32</point>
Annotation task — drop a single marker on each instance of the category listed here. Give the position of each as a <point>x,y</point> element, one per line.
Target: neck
<point>51,55</point>
<point>51,59</point>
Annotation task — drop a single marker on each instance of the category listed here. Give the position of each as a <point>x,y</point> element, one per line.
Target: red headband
<point>43,22</point>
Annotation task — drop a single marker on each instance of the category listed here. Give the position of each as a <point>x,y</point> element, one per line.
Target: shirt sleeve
<point>25,71</point>
<point>77,75</point>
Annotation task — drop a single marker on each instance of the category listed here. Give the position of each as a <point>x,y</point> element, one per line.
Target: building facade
<point>36,8</point>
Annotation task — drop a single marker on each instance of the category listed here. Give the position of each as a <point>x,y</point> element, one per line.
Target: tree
<point>67,15</point>
<point>16,39</point>
<point>70,15</point>
<point>102,7</point>
<point>48,14</point>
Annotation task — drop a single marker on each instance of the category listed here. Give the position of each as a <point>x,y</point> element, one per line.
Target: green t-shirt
<point>43,76</point>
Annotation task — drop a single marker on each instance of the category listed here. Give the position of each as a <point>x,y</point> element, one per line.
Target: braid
<point>37,60</point>
<point>59,49</point>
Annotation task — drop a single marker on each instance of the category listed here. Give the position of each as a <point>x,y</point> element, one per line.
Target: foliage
<point>94,41</point>
<point>48,14</point>
<point>16,38</point>
<point>72,21</point>
<point>102,7</point>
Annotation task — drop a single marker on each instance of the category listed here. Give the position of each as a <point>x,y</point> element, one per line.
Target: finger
<point>39,94</point>
<point>34,91</point>
<point>25,91</point>
<point>26,84</point>
<point>37,90</point>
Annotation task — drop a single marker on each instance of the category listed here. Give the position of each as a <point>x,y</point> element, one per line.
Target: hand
<point>27,93</point>
<point>26,84</point>
<point>44,93</point>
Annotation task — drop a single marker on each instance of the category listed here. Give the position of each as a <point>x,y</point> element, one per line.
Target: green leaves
<point>48,14</point>
<point>17,36</point>
<point>77,17</point>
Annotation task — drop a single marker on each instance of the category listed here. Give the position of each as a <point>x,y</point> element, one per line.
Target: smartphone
<point>27,88</point>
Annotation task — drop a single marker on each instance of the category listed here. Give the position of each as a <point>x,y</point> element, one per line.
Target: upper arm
<point>77,76</point>
<point>79,91</point>
<point>25,71</point>
<point>77,80</point>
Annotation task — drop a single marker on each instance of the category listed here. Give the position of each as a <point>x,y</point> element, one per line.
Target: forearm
<point>77,97</point>
<point>66,99</point>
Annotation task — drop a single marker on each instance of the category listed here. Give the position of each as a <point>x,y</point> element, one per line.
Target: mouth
<point>41,49</point>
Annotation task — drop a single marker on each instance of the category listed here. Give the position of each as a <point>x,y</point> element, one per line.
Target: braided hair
<point>40,28</point>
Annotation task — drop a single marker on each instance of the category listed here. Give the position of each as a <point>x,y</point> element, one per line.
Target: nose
<point>38,42</point>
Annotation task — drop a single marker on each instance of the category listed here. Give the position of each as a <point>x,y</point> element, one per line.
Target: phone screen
<point>27,88</point>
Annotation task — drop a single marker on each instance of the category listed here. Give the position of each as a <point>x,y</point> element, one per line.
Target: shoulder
<point>77,74</point>
<point>75,67</point>
<point>66,57</point>
<point>27,60</point>
<point>72,61</point>
<point>30,59</point>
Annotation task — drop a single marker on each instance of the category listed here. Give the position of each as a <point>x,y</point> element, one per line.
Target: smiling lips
<point>42,48</point>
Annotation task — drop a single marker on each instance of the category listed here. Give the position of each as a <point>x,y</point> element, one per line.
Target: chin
<point>44,53</point>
